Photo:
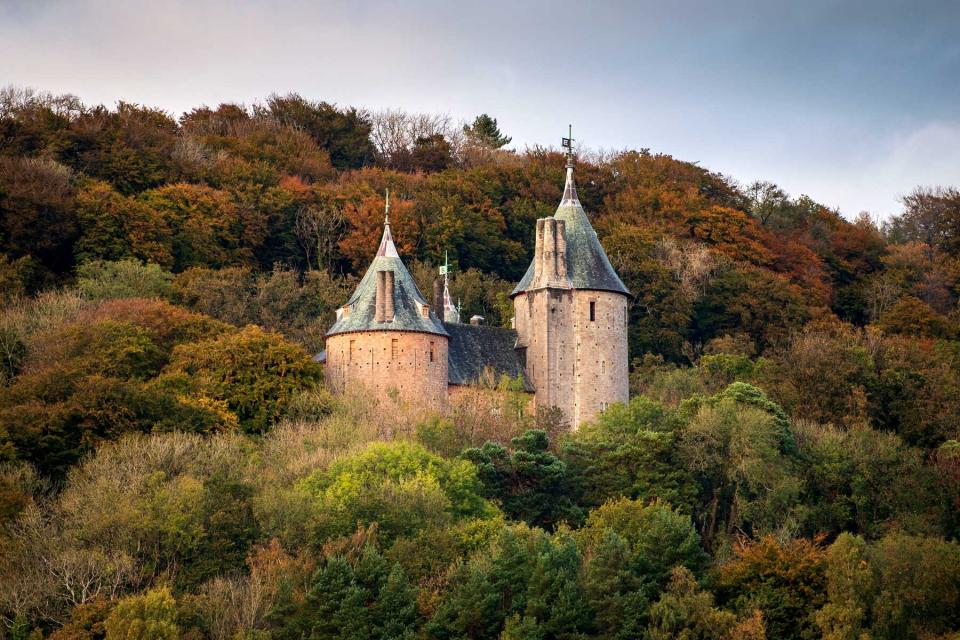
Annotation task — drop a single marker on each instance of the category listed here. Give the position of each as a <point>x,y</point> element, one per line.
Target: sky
<point>852,103</point>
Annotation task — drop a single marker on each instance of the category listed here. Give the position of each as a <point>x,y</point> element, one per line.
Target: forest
<point>172,466</point>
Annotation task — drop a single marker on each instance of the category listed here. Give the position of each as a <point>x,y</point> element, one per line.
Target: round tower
<point>570,313</point>
<point>386,338</point>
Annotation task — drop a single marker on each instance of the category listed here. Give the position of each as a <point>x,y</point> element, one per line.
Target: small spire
<point>570,187</point>
<point>387,248</point>
<point>450,313</point>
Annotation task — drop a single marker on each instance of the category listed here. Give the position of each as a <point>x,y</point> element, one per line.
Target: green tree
<point>151,616</point>
<point>128,278</point>
<point>785,581</point>
<point>401,486</point>
<point>530,483</point>
<point>630,451</point>
<point>485,131</point>
<point>254,372</point>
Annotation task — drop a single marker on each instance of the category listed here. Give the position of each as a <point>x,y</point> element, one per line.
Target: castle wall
<point>390,363</point>
<point>602,369</point>
<point>576,364</point>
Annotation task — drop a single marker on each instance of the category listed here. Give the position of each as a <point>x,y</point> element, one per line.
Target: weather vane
<point>567,143</point>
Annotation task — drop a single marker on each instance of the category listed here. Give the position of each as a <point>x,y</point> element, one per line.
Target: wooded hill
<point>171,465</point>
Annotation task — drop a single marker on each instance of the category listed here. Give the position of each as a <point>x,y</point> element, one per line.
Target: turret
<point>386,338</point>
<point>570,313</point>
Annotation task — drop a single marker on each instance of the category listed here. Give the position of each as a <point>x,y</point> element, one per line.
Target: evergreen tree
<point>485,131</point>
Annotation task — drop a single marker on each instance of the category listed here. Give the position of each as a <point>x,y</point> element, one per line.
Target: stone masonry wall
<point>390,362</point>
<point>576,364</point>
<point>602,369</point>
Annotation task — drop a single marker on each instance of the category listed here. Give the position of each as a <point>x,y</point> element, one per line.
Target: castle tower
<point>570,313</point>
<point>386,338</point>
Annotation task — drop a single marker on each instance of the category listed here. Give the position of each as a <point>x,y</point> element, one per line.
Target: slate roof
<point>587,262</point>
<point>408,301</point>
<point>473,348</point>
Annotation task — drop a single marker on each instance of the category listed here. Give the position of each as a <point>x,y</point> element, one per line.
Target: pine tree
<point>485,131</point>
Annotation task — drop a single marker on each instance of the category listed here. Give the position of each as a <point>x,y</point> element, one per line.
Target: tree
<point>685,612</point>
<point>913,317</point>
<point>206,226</point>
<point>530,483</point>
<point>400,486</point>
<point>629,451</point>
<point>785,581</point>
<point>344,133</point>
<point>365,598</point>
<point>151,616</point>
<point>113,226</point>
<point>931,216</point>
<point>254,372</point>
<point>484,131</point>
<point>37,217</point>
<point>736,447</point>
<point>900,587</point>
<point>129,278</point>
<point>431,153</point>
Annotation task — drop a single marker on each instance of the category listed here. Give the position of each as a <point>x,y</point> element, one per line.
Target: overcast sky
<point>853,103</point>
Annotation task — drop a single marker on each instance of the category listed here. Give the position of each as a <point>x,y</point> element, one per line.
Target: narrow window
<point>431,351</point>
<point>350,359</point>
<point>394,346</point>
<point>624,316</point>
<point>603,366</point>
<point>593,311</point>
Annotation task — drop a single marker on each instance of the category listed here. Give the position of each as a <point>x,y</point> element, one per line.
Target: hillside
<point>172,466</point>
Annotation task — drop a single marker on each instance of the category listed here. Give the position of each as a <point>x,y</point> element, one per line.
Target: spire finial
<point>387,248</point>
<point>569,189</point>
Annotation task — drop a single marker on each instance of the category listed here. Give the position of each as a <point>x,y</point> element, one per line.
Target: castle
<point>568,345</point>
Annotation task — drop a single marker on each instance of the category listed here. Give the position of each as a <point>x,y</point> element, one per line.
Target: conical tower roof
<point>359,313</point>
<point>587,264</point>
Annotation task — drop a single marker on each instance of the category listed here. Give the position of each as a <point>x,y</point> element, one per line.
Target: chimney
<point>388,296</point>
<point>438,296</point>
<point>384,308</point>
<point>380,313</point>
<point>561,248</point>
<point>538,253</point>
<point>476,320</point>
<point>550,255</point>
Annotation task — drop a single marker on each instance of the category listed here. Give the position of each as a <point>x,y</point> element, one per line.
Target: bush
<point>254,372</point>
<point>401,486</point>
<point>151,616</point>
<point>128,278</point>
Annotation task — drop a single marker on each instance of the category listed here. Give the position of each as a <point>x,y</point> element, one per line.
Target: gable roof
<point>358,314</point>
<point>587,264</point>
<point>474,348</point>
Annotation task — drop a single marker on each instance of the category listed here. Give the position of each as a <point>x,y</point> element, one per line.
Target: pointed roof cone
<point>387,248</point>
<point>587,264</point>
<point>358,314</point>
<point>450,312</point>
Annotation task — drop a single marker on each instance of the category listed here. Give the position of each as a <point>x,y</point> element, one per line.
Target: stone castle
<point>569,344</point>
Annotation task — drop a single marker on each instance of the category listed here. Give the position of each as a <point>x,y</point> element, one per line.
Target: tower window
<point>431,351</point>
<point>593,311</point>
<point>603,366</point>
<point>394,348</point>
<point>350,357</point>
<point>624,316</point>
